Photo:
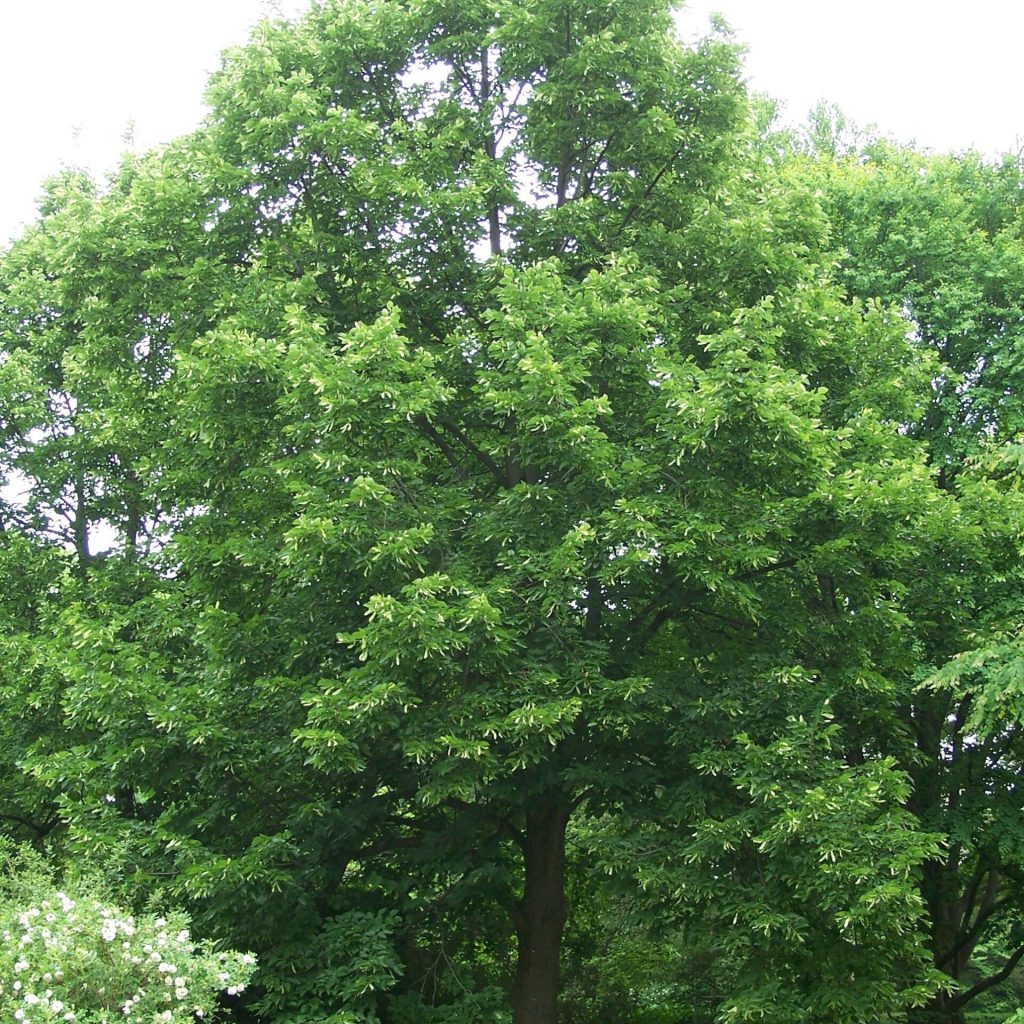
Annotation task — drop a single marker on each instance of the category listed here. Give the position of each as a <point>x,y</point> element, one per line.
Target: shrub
<point>68,954</point>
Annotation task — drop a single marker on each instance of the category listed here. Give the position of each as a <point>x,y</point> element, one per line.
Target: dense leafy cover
<point>941,238</point>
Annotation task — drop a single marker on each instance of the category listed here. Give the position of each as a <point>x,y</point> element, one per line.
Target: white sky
<point>942,73</point>
<point>75,73</point>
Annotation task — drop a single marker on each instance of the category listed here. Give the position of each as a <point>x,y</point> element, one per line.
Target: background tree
<point>939,237</point>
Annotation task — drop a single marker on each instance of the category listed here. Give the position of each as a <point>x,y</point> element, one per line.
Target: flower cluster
<point>73,957</point>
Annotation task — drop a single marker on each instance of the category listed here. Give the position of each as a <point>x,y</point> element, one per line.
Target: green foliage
<point>796,871</point>
<point>347,963</point>
<point>938,237</point>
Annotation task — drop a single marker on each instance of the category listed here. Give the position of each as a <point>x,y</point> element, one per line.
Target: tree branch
<point>40,830</point>
<point>669,610</point>
<point>482,457</point>
<point>985,984</point>
<point>504,828</point>
<point>446,449</point>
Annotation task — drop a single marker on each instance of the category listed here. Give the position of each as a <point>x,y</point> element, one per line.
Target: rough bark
<point>540,915</point>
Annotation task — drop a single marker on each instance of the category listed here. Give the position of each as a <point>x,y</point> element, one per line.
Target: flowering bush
<point>67,956</point>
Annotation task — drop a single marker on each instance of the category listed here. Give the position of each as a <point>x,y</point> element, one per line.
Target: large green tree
<point>456,448</point>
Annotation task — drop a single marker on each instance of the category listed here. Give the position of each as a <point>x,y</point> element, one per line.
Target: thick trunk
<point>940,881</point>
<point>539,917</point>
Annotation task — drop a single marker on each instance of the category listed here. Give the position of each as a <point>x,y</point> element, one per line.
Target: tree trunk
<point>539,917</point>
<point>491,147</point>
